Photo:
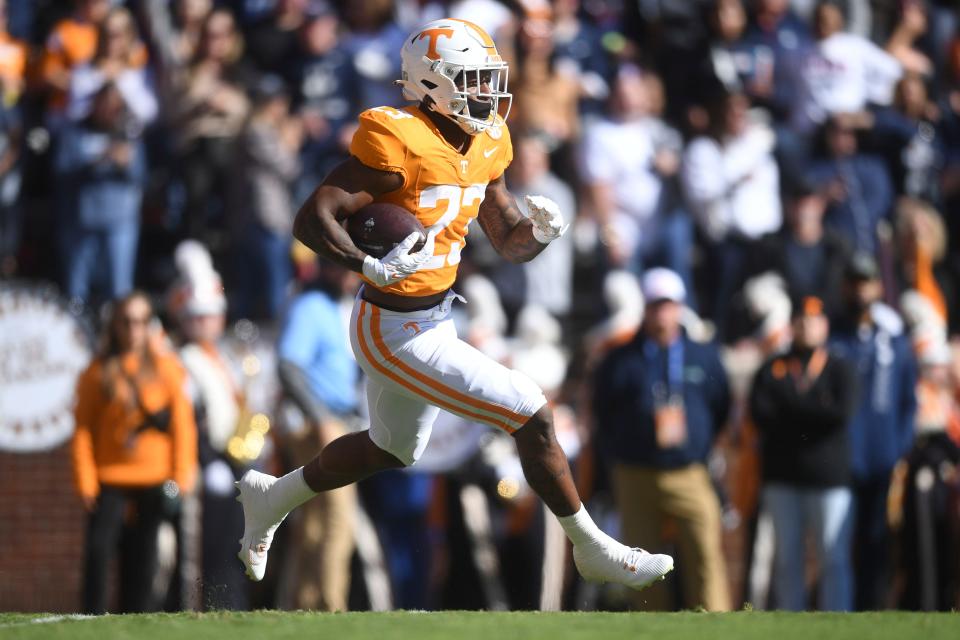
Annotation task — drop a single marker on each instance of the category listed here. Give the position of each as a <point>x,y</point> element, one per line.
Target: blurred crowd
<point>748,331</point>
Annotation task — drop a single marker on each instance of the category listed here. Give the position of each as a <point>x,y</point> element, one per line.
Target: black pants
<point>128,519</point>
<point>224,584</point>
<point>871,544</point>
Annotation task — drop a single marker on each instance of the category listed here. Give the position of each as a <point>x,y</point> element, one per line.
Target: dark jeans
<point>207,171</point>
<point>87,252</point>
<point>263,271</point>
<point>728,261</point>
<point>871,543</point>
<point>670,249</point>
<point>109,527</point>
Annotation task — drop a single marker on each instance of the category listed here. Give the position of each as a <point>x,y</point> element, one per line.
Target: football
<point>379,227</point>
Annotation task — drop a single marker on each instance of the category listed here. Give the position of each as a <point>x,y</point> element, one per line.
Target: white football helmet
<point>456,63</point>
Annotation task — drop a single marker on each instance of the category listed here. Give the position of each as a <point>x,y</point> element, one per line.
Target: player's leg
<point>400,426</point>
<point>426,358</point>
<point>545,465</point>
<point>598,556</point>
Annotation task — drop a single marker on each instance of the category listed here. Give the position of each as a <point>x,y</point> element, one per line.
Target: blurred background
<point>765,207</point>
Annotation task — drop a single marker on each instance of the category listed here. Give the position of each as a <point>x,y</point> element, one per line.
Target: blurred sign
<point>43,349</point>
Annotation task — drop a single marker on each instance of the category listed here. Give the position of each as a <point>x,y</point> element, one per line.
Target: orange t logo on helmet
<point>432,36</point>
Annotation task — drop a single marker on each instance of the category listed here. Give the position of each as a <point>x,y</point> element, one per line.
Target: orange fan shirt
<point>441,187</point>
<point>71,44</point>
<point>13,64</point>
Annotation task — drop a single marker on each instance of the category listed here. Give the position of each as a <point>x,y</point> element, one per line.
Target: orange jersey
<point>441,187</point>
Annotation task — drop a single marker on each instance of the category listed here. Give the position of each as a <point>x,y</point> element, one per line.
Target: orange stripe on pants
<point>437,386</point>
<point>429,397</point>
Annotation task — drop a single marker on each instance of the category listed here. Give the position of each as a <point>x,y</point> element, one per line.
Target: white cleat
<point>259,522</point>
<point>614,562</point>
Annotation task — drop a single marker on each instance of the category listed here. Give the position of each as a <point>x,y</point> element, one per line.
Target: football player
<point>442,159</point>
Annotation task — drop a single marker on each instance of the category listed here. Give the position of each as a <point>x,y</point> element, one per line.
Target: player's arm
<point>350,186</point>
<point>514,236</point>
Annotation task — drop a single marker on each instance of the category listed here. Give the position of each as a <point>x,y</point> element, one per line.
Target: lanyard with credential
<point>672,388</point>
<point>675,367</point>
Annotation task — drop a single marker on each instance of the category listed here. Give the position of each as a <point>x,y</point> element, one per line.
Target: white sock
<point>581,529</point>
<point>290,491</point>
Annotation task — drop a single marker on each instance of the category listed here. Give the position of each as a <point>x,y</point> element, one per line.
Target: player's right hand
<point>399,263</point>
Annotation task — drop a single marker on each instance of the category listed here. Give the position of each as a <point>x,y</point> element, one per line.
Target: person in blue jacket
<point>659,402</point>
<point>100,164</point>
<point>871,336</point>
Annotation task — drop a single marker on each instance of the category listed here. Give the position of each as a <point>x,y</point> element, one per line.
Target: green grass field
<point>460,625</point>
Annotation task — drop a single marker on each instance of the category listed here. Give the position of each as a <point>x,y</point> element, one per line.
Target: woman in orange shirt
<point>134,452</point>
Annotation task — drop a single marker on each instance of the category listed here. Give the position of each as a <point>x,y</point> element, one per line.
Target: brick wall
<point>41,533</point>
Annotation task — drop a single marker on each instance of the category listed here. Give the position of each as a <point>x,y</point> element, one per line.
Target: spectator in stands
<point>318,376</point>
<point>921,244</point>
<point>910,26</point>
<point>924,498</point>
<point>134,453</point>
<point>273,41</point>
<point>372,42</point>
<point>546,94</point>
<point>208,111</point>
<point>578,42</point>
<point>746,62</point>
<point>870,335</point>
<point>198,304</point>
<point>73,42</point>
<point>550,283</point>
<point>627,161</point>
<point>810,258</point>
<point>801,403</point>
<point>190,16</point>
<point>908,135</point>
<point>266,166</point>
<point>857,185</point>
<point>776,29</point>
<point>326,97</point>
<point>13,62</point>
<point>732,186</point>
<point>100,166</point>
<point>659,402</point>
<point>842,73</point>
<point>116,60</point>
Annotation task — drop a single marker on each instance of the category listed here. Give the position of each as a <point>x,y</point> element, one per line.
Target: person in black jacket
<point>801,403</point>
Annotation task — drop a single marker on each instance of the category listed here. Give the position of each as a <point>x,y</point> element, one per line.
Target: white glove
<point>547,220</point>
<point>399,263</point>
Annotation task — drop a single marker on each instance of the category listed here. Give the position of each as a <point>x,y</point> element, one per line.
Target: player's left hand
<point>548,224</point>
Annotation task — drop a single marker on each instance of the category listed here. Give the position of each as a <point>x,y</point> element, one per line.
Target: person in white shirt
<point>115,61</point>
<point>732,186</point>
<point>549,280</point>
<point>843,72</point>
<point>627,162</point>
